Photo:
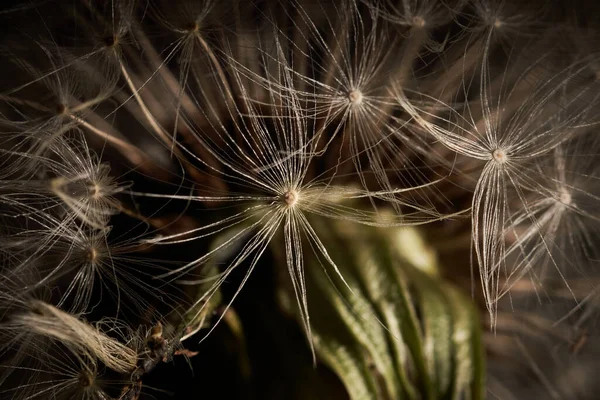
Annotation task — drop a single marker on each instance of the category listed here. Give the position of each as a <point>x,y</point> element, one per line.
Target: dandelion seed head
<point>500,156</point>
<point>290,198</point>
<point>95,191</point>
<point>85,380</point>
<point>297,127</point>
<point>92,255</point>
<point>565,197</point>
<point>355,97</point>
<point>418,22</point>
<point>61,109</point>
<point>192,27</point>
<point>111,41</point>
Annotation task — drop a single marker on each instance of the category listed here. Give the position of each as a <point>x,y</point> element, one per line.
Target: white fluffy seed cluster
<point>220,130</point>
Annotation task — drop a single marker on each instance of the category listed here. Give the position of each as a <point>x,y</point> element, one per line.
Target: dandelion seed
<point>343,77</point>
<point>552,236</point>
<point>275,166</point>
<point>242,128</point>
<point>66,355</point>
<point>73,175</point>
<point>419,13</point>
<point>509,140</point>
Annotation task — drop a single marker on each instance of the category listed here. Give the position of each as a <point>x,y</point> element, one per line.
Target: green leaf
<point>391,329</point>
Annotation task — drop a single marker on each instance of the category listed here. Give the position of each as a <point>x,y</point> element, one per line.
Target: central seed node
<point>418,21</point>
<point>565,197</point>
<point>499,156</point>
<point>92,255</point>
<point>61,109</point>
<point>111,41</point>
<point>95,191</point>
<point>355,97</point>
<point>290,198</point>
<point>192,26</point>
